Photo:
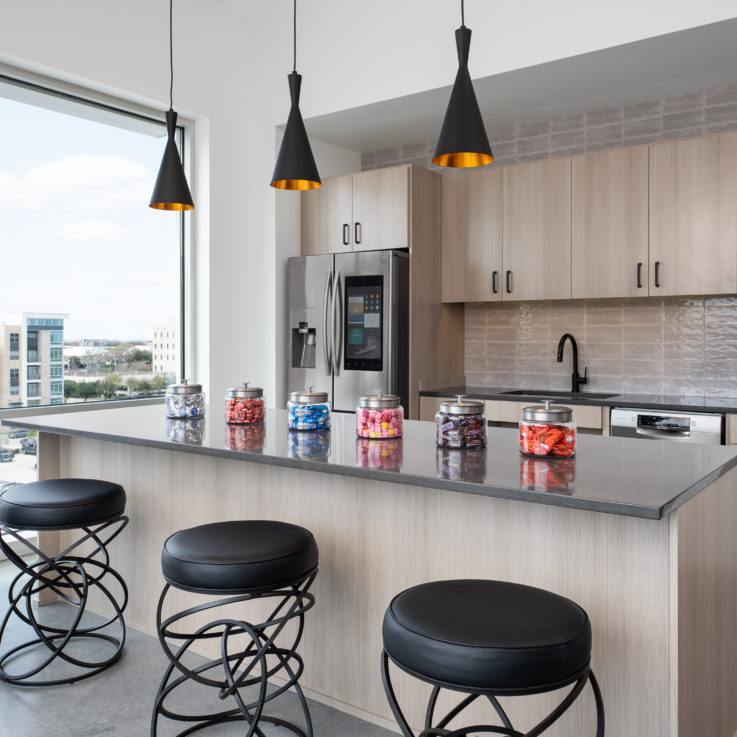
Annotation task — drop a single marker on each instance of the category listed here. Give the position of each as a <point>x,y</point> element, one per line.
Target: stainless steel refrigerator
<point>349,325</point>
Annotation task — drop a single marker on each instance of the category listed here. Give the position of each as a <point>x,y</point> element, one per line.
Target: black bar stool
<point>96,509</point>
<point>488,639</point>
<point>240,561</point>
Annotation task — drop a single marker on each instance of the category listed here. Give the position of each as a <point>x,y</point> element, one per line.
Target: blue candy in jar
<point>185,401</point>
<point>308,410</point>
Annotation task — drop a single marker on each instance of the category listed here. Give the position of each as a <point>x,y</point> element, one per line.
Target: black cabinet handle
<point>509,282</point>
<point>494,275</point>
<point>346,234</point>
<point>639,275</point>
<point>357,233</point>
<point>657,273</point>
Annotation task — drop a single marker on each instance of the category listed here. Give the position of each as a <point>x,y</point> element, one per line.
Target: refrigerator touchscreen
<point>363,323</point>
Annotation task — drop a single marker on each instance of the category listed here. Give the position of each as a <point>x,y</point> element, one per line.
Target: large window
<point>14,381</point>
<point>76,177</point>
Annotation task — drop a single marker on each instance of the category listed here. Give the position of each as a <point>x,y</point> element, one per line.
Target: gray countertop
<point>636,401</point>
<point>612,475</point>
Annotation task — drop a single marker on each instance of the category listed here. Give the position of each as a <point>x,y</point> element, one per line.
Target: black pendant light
<point>171,191</point>
<point>295,166</point>
<point>463,141</point>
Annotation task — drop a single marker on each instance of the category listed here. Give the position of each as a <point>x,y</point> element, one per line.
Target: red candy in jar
<point>379,416</point>
<point>244,405</point>
<point>547,431</point>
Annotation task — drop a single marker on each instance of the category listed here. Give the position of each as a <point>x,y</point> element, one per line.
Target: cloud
<point>91,230</point>
<point>77,182</point>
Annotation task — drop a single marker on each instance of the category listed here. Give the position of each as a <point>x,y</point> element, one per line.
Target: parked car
<point>28,445</point>
<point>6,456</point>
<point>17,434</point>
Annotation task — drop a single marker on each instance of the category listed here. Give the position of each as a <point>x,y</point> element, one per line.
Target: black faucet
<point>576,380</point>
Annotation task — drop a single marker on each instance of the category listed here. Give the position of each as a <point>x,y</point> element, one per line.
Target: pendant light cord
<point>294,37</point>
<point>171,54</point>
<point>463,13</point>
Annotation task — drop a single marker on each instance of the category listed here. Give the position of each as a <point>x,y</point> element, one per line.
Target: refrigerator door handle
<point>327,325</point>
<point>337,323</point>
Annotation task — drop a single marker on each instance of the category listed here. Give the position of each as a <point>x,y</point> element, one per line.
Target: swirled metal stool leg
<point>440,728</point>
<point>232,672</point>
<point>71,577</point>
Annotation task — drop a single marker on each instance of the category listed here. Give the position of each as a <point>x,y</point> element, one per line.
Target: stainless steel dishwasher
<point>650,424</point>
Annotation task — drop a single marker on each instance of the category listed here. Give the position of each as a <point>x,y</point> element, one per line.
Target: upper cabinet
<point>472,236</point>
<point>327,217</point>
<point>367,211</point>
<point>537,230</point>
<point>693,216</point>
<point>609,224</point>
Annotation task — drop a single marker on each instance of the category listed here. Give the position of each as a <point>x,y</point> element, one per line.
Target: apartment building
<point>165,349</point>
<point>32,360</point>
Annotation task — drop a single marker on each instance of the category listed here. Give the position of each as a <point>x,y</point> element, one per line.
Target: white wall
<point>232,58</point>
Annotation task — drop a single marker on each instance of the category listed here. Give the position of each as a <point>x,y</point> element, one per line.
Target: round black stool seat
<point>239,556</point>
<point>488,636</point>
<point>59,504</point>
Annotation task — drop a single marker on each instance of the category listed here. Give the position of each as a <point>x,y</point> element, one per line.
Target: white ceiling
<point>695,59</point>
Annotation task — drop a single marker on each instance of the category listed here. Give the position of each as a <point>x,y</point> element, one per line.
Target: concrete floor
<point>119,701</point>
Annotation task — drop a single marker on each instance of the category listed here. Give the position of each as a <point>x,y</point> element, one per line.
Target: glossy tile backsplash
<point>676,346</point>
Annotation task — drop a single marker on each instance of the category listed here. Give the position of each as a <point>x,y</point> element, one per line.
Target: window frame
<point>54,92</point>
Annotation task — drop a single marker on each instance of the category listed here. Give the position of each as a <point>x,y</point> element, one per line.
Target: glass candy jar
<point>308,410</point>
<point>547,430</point>
<point>379,416</point>
<point>185,400</point>
<point>244,405</point>
<point>461,423</point>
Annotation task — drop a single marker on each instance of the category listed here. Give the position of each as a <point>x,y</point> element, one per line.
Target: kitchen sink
<point>549,393</point>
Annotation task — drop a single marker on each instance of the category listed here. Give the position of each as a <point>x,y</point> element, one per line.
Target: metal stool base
<point>71,577</point>
<point>232,672</point>
<point>439,728</point>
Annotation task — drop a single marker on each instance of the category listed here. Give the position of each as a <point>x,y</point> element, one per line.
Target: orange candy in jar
<point>244,405</point>
<point>547,431</point>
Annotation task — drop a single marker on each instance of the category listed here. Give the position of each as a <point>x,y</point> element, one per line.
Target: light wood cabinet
<point>610,224</point>
<point>381,209</point>
<point>693,216</point>
<point>537,230</point>
<point>367,211</point>
<point>327,217</point>
<point>472,236</point>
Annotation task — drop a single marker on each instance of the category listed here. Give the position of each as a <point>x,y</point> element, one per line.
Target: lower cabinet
<point>585,416</point>
<point>731,430</point>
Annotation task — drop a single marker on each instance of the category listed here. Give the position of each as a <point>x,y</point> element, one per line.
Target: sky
<point>76,233</point>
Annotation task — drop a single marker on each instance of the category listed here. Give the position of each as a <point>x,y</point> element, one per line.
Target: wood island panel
<point>635,577</point>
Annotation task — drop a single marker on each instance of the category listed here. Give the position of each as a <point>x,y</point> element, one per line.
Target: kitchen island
<point>640,534</point>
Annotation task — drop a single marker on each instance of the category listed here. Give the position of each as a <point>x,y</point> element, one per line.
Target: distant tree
<point>71,389</point>
<point>137,354</point>
<point>158,382</point>
<point>110,385</point>
<point>76,363</point>
<point>88,389</point>
<point>139,385</point>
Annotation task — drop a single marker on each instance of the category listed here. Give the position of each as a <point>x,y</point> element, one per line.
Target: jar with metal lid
<point>547,430</point>
<point>379,416</point>
<point>461,423</point>
<point>185,400</point>
<point>244,405</point>
<point>308,410</point>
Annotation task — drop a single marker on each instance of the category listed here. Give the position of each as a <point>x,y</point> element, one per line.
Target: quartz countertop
<point>610,475</point>
<point>635,401</point>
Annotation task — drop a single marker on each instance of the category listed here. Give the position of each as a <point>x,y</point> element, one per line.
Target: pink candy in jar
<point>379,416</point>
